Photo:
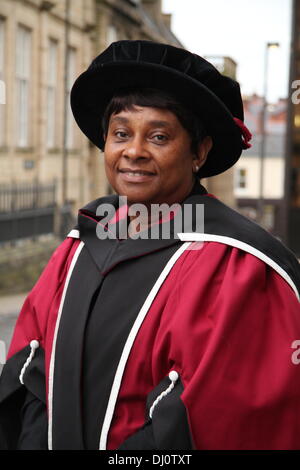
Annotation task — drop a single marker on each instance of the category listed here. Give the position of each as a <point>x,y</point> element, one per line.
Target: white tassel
<point>34,344</point>
<point>173,376</point>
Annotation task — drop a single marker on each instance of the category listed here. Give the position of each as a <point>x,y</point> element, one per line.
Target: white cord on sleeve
<point>34,344</point>
<point>173,376</point>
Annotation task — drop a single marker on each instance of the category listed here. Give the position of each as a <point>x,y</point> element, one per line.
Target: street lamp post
<point>260,206</point>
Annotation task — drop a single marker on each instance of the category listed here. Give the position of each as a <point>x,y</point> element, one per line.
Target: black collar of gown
<point>108,252</point>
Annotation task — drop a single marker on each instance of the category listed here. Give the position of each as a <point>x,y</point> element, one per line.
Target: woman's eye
<point>121,134</point>
<point>160,137</point>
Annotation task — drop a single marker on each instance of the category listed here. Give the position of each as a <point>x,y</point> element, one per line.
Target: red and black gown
<point>112,318</point>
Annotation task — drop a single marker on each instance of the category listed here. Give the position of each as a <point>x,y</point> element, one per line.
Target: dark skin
<point>149,157</point>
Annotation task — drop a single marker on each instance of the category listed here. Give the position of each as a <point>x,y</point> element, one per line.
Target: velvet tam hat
<point>195,83</point>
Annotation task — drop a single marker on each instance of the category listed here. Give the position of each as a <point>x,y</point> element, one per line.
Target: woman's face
<point>148,156</point>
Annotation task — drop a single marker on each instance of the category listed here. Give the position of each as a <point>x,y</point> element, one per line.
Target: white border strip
<point>52,361</point>
<point>74,233</point>
<point>128,345</point>
<point>243,246</point>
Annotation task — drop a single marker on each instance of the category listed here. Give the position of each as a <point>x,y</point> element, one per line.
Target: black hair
<point>127,98</point>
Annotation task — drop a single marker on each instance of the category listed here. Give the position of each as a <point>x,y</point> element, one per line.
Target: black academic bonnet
<point>192,80</point>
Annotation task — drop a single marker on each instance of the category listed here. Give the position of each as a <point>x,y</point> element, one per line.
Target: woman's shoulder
<point>224,225</point>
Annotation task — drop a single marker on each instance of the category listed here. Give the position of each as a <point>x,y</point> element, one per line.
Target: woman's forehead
<point>150,115</point>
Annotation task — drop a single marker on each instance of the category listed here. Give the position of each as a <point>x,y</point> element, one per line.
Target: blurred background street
<point>9,309</point>
<point>48,168</point>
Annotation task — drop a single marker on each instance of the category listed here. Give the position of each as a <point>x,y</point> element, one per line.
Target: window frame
<point>23,84</point>
<point>52,83</point>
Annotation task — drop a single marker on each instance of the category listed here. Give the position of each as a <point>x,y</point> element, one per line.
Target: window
<point>51,93</point>
<point>28,164</point>
<point>71,71</point>
<point>241,180</point>
<point>23,65</point>
<point>2,83</point>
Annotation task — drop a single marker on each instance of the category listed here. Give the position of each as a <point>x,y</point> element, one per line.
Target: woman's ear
<point>203,149</point>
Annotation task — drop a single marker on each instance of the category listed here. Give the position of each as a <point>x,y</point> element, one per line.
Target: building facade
<point>44,46</point>
<point>41,58</point>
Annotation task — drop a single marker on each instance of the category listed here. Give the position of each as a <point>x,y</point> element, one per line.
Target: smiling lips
<point>137,176</point>
<point>136,172</point>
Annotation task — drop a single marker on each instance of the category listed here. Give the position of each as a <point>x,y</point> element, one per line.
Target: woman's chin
<point>137,195</point>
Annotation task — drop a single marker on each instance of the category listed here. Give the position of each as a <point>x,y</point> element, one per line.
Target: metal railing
<point>18,197</point>
<point>27,210</point>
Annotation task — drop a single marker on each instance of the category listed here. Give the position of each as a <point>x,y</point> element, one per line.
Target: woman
<point>185,339</point>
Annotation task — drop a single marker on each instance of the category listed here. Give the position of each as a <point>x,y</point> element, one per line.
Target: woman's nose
<point>136,148</point>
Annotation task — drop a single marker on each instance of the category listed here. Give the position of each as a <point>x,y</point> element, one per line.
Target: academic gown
<point>189,342</point>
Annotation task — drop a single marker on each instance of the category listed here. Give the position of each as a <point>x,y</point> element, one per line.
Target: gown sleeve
<point>230,326</point>
<point>241,382</point>
<point>33,435</point>
<point>23,379</point>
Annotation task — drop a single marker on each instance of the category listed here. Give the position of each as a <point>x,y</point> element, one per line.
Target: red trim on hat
<point>245,133</point>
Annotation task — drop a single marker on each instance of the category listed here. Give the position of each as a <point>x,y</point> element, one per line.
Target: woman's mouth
<point>135,176</point>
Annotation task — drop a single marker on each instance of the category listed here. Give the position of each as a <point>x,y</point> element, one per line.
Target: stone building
<point>37,132</point>
<point>44,46</point>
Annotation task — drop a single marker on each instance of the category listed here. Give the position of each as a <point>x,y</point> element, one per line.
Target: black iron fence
<point>27,210</point>
<point>18,197</point>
